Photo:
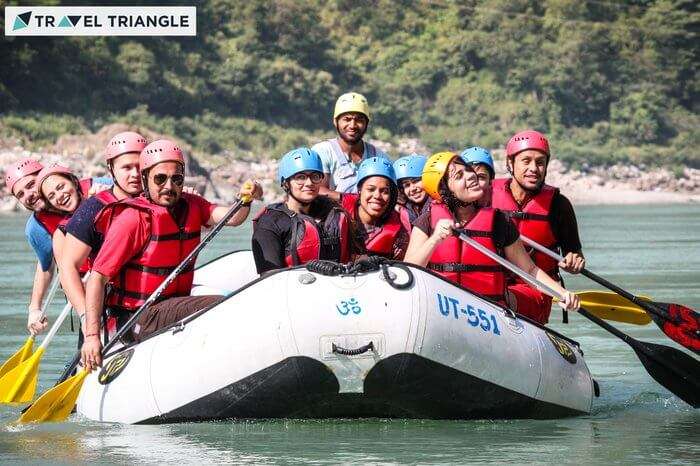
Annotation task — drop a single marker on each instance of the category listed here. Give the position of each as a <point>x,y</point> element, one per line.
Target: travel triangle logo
<point>65,23</point>
<point>22,21</point>
<point>69,21</point>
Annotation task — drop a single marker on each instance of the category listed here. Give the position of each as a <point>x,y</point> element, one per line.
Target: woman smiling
<point>378,226</point>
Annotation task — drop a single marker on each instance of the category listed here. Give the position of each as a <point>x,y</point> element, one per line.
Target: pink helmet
<point>18,170</point>
<point>526,140</point>
<point>159,151</point>
<point>51,169</point>
<point>123,143</point>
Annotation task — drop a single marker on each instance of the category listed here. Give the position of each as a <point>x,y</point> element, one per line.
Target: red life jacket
<point>49,219</point>
<point>462,264</point>
<point>381,240</point>
<point>404,215</point>
<point>106,197</point>
<point>532,220</point>
<point>307,235</point>
<point>168,245</point>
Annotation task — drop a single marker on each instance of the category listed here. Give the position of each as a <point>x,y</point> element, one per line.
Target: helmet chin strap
<point>114,178</point>
<point>144,182</point>
<point>288,190</point>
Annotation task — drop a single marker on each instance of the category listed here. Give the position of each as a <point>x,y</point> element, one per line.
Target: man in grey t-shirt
<point>342,155</point>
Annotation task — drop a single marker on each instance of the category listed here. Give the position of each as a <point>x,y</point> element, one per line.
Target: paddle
<point>680,323</point>
<point>26,349</point>
<point>19,384</point>
<point>56,403</point>
<point>611,306</point>
<point>677,371</point>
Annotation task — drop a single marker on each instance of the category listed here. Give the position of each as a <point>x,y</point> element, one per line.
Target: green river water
<point>635,421</point>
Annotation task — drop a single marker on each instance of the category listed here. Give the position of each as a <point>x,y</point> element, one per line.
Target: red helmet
<point>123,143</point>
<point>18,170</point>
<point>526,140</point>
<point>51,169</point>
<point>159,151</point>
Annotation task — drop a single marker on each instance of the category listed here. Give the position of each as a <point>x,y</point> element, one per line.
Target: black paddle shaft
<point>647,306</point>
<point>678,322</point>
<point>190,257</point>
<point>677,371</point>
<point>130,323</point>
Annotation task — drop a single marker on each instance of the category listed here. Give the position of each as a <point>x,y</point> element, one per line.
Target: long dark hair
<point>448,197</point>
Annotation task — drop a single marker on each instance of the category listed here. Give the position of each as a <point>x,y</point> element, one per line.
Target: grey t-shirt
<point>336,163</point>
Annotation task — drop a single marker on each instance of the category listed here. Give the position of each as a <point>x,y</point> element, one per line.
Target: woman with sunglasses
<point>377,224</point>
<point>305,226</point>
<point>456,192</point>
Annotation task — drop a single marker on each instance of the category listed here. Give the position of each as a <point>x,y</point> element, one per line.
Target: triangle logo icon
<point>65,23</point>
<point>74,19</point>
<point>22,21</point>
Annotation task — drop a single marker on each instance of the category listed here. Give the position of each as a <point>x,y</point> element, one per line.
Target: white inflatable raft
<point>398,342</point>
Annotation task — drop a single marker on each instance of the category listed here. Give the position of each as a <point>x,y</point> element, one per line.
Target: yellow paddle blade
<point>21,354</point>
<point>57,403</point>
<point>611,306</point>
<point>19,384</point>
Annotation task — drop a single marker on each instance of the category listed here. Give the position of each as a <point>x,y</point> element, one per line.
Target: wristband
<point>92,335</point>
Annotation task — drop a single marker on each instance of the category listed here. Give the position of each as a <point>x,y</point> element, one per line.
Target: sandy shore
<point>580,195</point>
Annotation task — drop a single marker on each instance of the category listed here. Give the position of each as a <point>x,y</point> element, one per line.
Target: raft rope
<point>365,265</point>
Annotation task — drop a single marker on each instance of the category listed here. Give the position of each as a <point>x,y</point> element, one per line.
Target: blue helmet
<point>410,166</point>
<point>375,166</point>
<point>298,160</point>
<point>475,155</point>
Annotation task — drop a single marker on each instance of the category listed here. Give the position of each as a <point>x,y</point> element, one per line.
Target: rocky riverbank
<point>218,176</point>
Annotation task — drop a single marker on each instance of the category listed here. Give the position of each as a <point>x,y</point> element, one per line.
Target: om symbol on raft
<point>346,307</point>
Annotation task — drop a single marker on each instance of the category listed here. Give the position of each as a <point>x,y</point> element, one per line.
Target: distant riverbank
<point>218,176</point>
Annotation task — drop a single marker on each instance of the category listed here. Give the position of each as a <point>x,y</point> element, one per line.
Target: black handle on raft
<point>352,352</point>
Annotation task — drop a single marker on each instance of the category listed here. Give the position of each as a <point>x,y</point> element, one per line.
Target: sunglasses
<point>315,177</point>
<point>161,178</point>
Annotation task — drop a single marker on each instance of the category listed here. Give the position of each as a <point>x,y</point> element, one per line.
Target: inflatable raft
<point>397,341</point>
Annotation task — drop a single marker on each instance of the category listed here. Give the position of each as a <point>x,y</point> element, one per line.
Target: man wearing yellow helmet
<point>342,155</point>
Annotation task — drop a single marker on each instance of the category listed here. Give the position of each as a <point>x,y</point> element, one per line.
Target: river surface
<point>655,250</point>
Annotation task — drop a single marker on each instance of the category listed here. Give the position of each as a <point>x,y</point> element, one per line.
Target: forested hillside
<point>607,80</point>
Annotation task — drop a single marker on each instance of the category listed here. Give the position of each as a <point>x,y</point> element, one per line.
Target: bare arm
<point>74,254</point>
<point>325,189</point>
<point>94,297</point>
<point>36,321</point>
<point>517,254</point>
<point>57,244</point>
<point>220,212</point>
<point>421,246</point>
<point>250,189</point>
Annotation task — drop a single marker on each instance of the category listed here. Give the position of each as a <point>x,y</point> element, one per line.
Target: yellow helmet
<point>434,170</point>
<point>351,102</point>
